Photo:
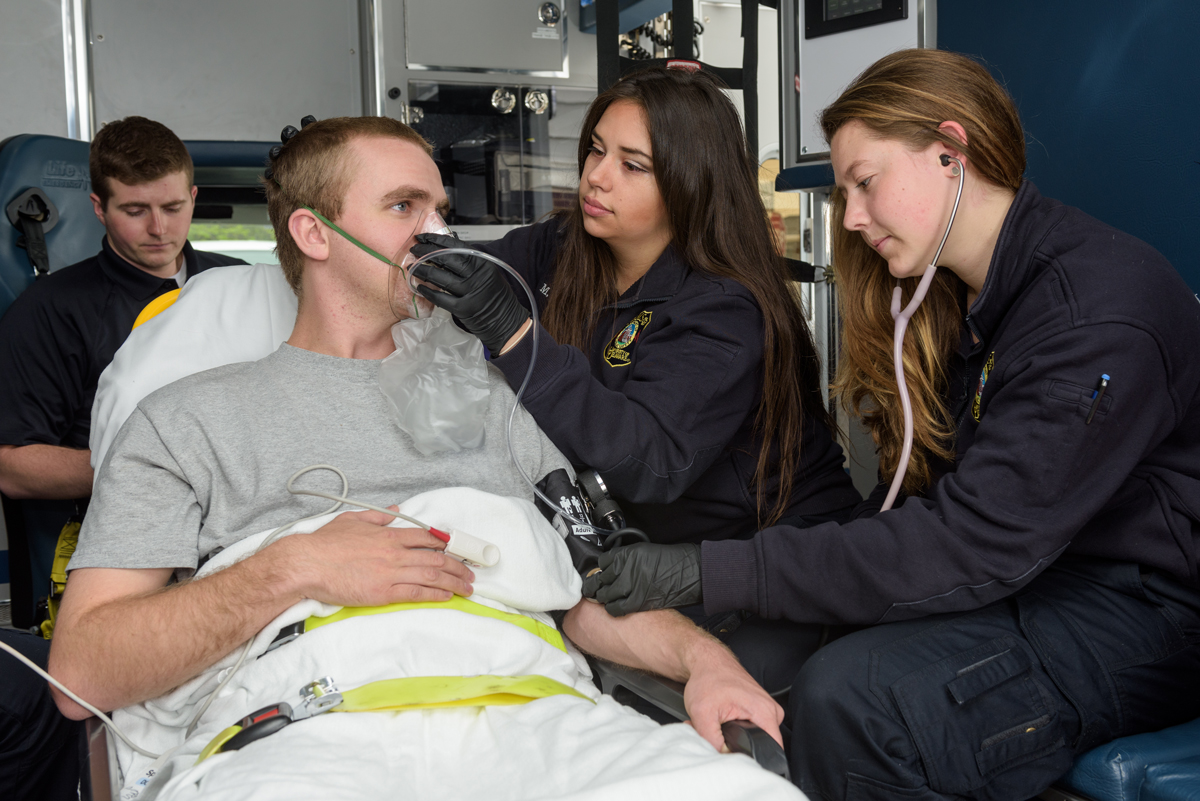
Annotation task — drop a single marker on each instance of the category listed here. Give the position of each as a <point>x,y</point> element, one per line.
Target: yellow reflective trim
<point>434,692</point>
<point>458,604</point>
<point>215,744</point>
<point>156,307</point>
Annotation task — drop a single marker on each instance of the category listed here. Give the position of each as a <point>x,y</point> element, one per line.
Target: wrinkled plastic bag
<point>436,383</point>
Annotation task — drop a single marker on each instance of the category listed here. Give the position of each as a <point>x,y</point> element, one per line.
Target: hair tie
<point>286,135</point>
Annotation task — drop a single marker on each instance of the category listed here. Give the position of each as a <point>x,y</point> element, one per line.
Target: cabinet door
<point>226,69</point>
<point>526,37</point>
<point>502,158</point>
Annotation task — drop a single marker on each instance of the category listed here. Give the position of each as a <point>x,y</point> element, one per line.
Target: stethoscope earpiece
<point>946,163</point>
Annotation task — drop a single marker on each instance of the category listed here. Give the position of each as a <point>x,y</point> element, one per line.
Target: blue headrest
<point>59,167</point>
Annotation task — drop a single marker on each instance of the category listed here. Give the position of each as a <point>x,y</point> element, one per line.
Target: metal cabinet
<point>527,37</point>
<point>503,159</point>
<point>225,69</point>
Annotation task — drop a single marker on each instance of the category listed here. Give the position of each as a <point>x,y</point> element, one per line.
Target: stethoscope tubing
<point>902,317</point>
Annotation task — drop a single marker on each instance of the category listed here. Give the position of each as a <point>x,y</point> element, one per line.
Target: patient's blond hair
<point>312,170</point>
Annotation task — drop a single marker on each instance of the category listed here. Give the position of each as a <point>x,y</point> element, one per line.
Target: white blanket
<point>562,746</point>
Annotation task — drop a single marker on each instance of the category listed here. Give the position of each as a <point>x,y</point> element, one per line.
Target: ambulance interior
<point>500,88</point>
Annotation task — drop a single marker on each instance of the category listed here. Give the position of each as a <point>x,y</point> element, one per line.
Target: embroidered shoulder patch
<point>616,354</point>
<point>976,412</point>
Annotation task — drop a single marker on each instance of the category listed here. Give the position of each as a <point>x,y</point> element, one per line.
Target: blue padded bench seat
<point>1158,766</point>
<point>1174,781</point>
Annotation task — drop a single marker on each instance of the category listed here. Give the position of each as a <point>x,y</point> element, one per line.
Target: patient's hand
<point>719,690</point>
<point>357,560</point>
<point>662,641</point>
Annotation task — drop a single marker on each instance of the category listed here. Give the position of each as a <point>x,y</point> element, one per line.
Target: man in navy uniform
<point>61,333</point>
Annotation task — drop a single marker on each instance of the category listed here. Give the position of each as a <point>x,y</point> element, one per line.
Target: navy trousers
<point>41,751</point>
<point>996,703</point>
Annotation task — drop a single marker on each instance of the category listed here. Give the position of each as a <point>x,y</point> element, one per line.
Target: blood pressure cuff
<point>559,487</point>
<point>582,541</point>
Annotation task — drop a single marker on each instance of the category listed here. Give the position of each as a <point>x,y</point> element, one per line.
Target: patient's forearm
<point>665,642</point>
<point>662,641</point>
<point>136,640</point>
<point>45,471</point>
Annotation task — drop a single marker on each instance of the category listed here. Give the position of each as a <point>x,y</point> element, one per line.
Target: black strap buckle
<point>33,215</point>
<point>259,724</point>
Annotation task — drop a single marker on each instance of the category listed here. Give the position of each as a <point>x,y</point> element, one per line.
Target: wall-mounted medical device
<point>823,17</point>
<point>824,45</point>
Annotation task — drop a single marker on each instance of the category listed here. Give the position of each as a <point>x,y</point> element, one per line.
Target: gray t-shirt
<point>204,462</point>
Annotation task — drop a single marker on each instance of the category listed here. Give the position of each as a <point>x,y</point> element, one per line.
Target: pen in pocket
<point>1097,394</point>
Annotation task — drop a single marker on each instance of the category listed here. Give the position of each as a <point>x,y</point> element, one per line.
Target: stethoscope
<point>902,318</point>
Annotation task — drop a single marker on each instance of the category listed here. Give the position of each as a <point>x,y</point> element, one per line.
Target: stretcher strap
<point>68,539</point>
<point>458,604</point>
<point>214,745</point>
<point>432,692</point>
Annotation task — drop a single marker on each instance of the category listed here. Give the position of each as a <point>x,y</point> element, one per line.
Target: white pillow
<point>239,313</point>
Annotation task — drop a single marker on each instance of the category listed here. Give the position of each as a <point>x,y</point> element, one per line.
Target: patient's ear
<point>309,234</point>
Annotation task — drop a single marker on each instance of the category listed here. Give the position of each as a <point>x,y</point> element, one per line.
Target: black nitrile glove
<point>643,576</point>
<point>473,290</point>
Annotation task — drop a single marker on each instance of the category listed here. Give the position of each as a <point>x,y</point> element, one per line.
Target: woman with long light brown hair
<point>1038,587</point>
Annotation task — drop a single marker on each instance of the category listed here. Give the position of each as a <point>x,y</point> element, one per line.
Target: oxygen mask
<point>436,381</point>
<point>402,287</point>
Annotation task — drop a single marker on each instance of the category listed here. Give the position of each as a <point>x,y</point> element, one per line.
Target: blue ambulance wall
<point>1109,93</point>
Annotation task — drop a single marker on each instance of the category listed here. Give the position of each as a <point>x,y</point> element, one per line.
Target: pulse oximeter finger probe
<point>468,548</point>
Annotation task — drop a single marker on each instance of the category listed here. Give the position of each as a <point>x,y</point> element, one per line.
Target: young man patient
<point>202,464</point>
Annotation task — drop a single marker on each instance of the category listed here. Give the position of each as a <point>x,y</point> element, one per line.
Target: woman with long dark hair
<point>1038,585</point>
<point>673,355</point>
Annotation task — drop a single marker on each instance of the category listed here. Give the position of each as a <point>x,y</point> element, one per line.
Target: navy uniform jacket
<point>664,404</point>
<point>1065,300</point>
<point>60,334</point>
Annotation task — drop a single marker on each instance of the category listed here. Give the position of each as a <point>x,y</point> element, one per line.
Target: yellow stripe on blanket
<point>435,692</point>
<point>458,604</point>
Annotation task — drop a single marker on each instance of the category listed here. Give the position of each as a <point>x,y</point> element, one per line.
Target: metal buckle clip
<point>317,697</point>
